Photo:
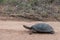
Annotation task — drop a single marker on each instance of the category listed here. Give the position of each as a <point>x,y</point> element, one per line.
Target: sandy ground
<point>13,30</point>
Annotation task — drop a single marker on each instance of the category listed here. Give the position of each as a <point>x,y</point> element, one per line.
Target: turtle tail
<point>26,27</point>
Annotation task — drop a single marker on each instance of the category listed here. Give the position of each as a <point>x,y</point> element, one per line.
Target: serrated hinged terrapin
<point>40,28</point>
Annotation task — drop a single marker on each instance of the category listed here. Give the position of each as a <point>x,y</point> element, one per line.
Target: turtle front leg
<point>52,32</point>
<point>32,31</point>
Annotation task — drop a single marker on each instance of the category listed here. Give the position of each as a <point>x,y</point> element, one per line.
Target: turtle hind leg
<point>52,32</point>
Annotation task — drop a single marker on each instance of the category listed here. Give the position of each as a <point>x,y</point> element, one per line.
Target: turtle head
<point>27,27</point>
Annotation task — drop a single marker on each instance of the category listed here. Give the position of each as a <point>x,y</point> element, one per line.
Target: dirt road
<point>13,30</point>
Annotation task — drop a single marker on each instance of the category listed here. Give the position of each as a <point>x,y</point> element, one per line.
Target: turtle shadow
<point>31,33</point>
<point>42,33</point>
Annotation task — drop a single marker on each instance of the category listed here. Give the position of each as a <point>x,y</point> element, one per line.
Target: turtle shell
<point>42,27</point>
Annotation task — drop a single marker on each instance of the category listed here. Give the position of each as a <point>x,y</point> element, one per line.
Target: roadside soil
<point>14,30</point>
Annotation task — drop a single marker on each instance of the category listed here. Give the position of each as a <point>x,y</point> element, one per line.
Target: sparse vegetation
<point>39,9</point>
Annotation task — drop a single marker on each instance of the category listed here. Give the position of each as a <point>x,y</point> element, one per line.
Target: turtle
<point>40,28</point>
